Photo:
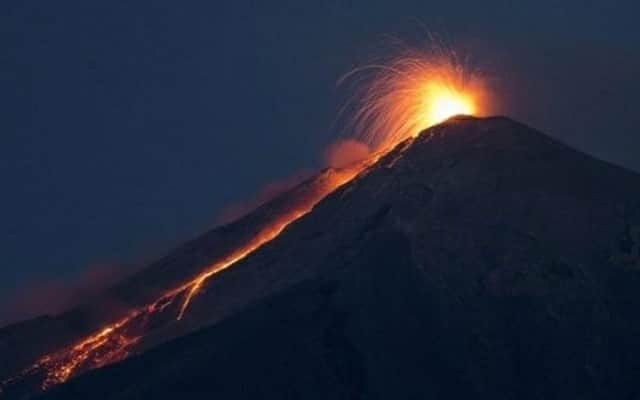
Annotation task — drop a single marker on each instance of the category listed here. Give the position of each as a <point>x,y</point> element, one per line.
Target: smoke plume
<point>344,152</point>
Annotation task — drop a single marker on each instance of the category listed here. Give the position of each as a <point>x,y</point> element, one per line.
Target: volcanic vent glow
<point>400,97</point>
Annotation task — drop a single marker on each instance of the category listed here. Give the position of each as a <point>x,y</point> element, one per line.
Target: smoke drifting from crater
<point>344,152</point>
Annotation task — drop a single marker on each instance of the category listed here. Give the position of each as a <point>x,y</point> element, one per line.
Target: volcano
<point>478,259</point>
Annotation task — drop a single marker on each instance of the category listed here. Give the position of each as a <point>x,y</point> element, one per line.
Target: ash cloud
<point>58,295</point>
<point>344,152</point>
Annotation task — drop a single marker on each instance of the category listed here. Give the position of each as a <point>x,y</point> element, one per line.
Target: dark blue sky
<point>128,126</point>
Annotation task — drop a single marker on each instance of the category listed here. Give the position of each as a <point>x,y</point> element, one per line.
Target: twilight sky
<point>128,127</point>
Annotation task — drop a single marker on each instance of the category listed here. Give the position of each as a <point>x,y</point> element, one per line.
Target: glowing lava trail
<point>322,187</point>
<point>114,342</point>
<point>394,101</point>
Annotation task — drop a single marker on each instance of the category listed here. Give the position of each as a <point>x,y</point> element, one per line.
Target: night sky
<point>129,127</point>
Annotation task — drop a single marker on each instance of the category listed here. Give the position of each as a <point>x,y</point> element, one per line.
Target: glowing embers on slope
<point>109,345</point>
<point>115,341</point>
<point>413,89</point>
<point>105,348</point>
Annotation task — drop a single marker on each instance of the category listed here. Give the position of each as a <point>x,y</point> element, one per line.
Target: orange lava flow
<point>338,178</point>
<point>265,236</point>
<point>106,347</point>
<point>114,342</point>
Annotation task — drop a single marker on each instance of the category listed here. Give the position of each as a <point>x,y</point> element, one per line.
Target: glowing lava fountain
<point>393,101</point>
<point>410,91</point>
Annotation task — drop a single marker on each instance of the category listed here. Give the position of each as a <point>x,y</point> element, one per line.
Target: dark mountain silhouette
<point>481,259</point>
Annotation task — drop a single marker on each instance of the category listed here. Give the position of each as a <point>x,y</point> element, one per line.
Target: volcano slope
<point>481,258</point>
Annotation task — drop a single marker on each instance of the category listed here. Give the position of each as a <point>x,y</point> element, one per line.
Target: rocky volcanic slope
<point>483,259</point>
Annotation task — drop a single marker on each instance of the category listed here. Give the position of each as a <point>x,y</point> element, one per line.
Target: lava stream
<point>114,342</point>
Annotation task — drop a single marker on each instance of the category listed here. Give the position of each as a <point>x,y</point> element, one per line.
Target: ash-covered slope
<point>481,259</point>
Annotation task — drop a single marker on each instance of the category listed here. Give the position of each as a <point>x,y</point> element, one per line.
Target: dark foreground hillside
<point>481,260</point>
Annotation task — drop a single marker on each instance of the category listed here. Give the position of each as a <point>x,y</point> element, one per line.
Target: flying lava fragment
<point>411,90</point>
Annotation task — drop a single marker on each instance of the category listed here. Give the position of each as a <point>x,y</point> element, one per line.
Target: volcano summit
<point>480,259</point>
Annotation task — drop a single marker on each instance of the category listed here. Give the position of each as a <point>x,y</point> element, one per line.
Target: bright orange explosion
<point>398,100</point>
<point>410,92</point>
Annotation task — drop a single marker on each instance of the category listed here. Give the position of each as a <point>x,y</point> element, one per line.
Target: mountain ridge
<point>467,201</point>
